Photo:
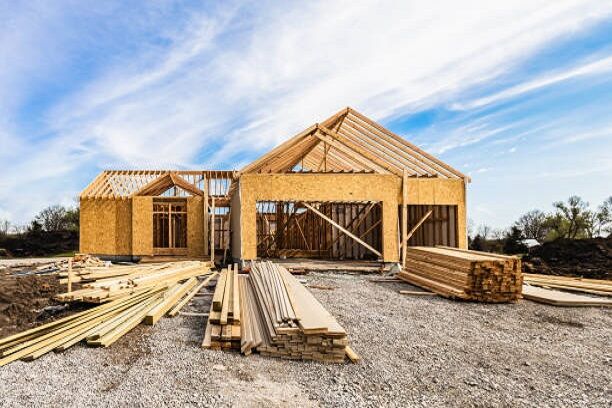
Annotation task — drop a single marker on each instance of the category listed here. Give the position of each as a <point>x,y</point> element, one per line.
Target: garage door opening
<point>325,230</point>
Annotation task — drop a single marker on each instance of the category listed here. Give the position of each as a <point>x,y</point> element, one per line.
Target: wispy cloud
<point>217,86</point>
<point>601,66</point>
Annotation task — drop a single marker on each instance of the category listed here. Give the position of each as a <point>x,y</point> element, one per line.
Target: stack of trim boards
<point>104,324</point>
<point>462,274</point>
<point>281,318</point>
<point>223,328</point>
<point>116,282</point>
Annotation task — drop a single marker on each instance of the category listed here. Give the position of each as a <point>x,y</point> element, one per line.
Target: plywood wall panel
<point>142,226</point>
<point>195,226</point>
<point>97,227</point>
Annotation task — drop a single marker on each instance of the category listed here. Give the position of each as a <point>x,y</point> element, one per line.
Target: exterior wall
<point>319,187</point>
<point>142,226</point>
<point>105,227</point>
<point>195,227</point>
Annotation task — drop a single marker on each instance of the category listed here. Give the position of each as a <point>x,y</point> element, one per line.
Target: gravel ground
<point>417,351</point>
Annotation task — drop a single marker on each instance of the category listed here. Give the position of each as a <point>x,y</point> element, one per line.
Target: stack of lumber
<point>461,274</point>
<point>116,282</point>
<point>558,298</point>
<point>78,261</point>
<point>592,286</point>
<point>281,318</point>
<point>101,325</point>
<point>223,329</point>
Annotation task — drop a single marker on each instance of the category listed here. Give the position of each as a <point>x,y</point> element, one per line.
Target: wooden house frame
<point>345,188</point>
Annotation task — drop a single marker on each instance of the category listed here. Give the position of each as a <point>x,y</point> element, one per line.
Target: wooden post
<point>69,275</point>
<point>212,232</point>
<point>205,220</point>
<point>404,216</point>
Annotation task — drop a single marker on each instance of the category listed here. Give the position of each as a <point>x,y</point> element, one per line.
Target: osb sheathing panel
<point>195,225</point>
<point>98,226</point>
<point>320,187</point>
<point>123,227</point>
<point>235,226</point>
<point>142,226</point>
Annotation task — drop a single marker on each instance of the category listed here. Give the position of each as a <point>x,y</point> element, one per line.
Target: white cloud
<point>601,66</point>
<point>235,80</point>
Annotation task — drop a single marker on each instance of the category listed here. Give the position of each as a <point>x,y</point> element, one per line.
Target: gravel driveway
<point>417,351</point>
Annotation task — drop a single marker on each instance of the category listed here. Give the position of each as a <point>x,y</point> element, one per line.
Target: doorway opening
<point>170,226</point>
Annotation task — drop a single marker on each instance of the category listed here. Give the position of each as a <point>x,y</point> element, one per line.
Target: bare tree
<point>52,218</point>
<point>533,225</point>
<point>484,231</point>
<point>5,226</point>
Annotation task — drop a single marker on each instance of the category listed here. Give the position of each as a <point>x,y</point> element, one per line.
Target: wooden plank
<point>172,296</point>
<point>557,298</point>
<point>174,311</point>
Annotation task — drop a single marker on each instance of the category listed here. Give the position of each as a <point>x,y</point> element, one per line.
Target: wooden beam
<point>212,232</point>
<point>404,216</point>
<point>335,224</point>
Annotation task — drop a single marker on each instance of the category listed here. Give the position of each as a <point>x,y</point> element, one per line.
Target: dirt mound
<point>23,300</point>
<point>589,258</point>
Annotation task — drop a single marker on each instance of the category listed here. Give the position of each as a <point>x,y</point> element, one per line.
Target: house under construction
<point>345,188</point>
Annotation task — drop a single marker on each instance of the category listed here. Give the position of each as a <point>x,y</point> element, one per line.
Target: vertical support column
<point>205,216</point>
<point>404,216</point>
<point>212,232</point>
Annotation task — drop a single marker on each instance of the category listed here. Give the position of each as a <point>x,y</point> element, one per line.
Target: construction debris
<point>461,274</point>
<point>106,284</point>
<point>279,318</point>
<point>558,298</point>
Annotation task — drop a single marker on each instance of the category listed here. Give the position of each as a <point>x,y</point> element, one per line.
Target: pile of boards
<point>146,301</point>
<point>571,284</point>
<point>461,274</point>
<point>278,316</point>
<point>104,284</point>
<point>78,261</point>
<point>223,329</point>
<point>553,290</point>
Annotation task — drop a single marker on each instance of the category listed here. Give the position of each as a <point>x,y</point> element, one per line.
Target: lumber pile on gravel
<point>599,287</point>
<point>223,328</point>
<point>107,284</point>
<point>279,317</point>
<point>104,324</point>
<point>461,274</point>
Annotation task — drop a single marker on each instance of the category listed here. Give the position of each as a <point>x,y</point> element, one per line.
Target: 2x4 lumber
<point>407,145</point>
<point>277,150</point>
<point>557,298</point>
<point>236,297</point>
<point>217,301</point>
<point>350,353</point>
<point>226,296</point>
<point>416,227</point>
<point>172,296</point>
<point>350,152</point>
<point>404,216</point>
<point>212,232</point>
<point>177,308</point>
<point>338,226</point>
<point>362,151</point>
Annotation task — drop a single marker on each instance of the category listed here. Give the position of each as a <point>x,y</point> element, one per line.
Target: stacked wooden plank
<point>281,318</point>
<point>223,329</point>
<point>558,298</point>
<point>462,274</point>
<point>117,282</point>
<point>101,325</point>
<point>591,286</point>
<point>78,261</point>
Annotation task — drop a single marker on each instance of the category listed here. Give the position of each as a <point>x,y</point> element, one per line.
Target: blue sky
<point>517,95</point>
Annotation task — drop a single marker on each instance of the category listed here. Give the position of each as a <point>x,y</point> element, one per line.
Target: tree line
<point>55,218</point>
<point>571,219</point>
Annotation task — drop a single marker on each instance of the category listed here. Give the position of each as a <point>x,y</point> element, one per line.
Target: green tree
<point>513,242</point>
<point>571,219</point>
